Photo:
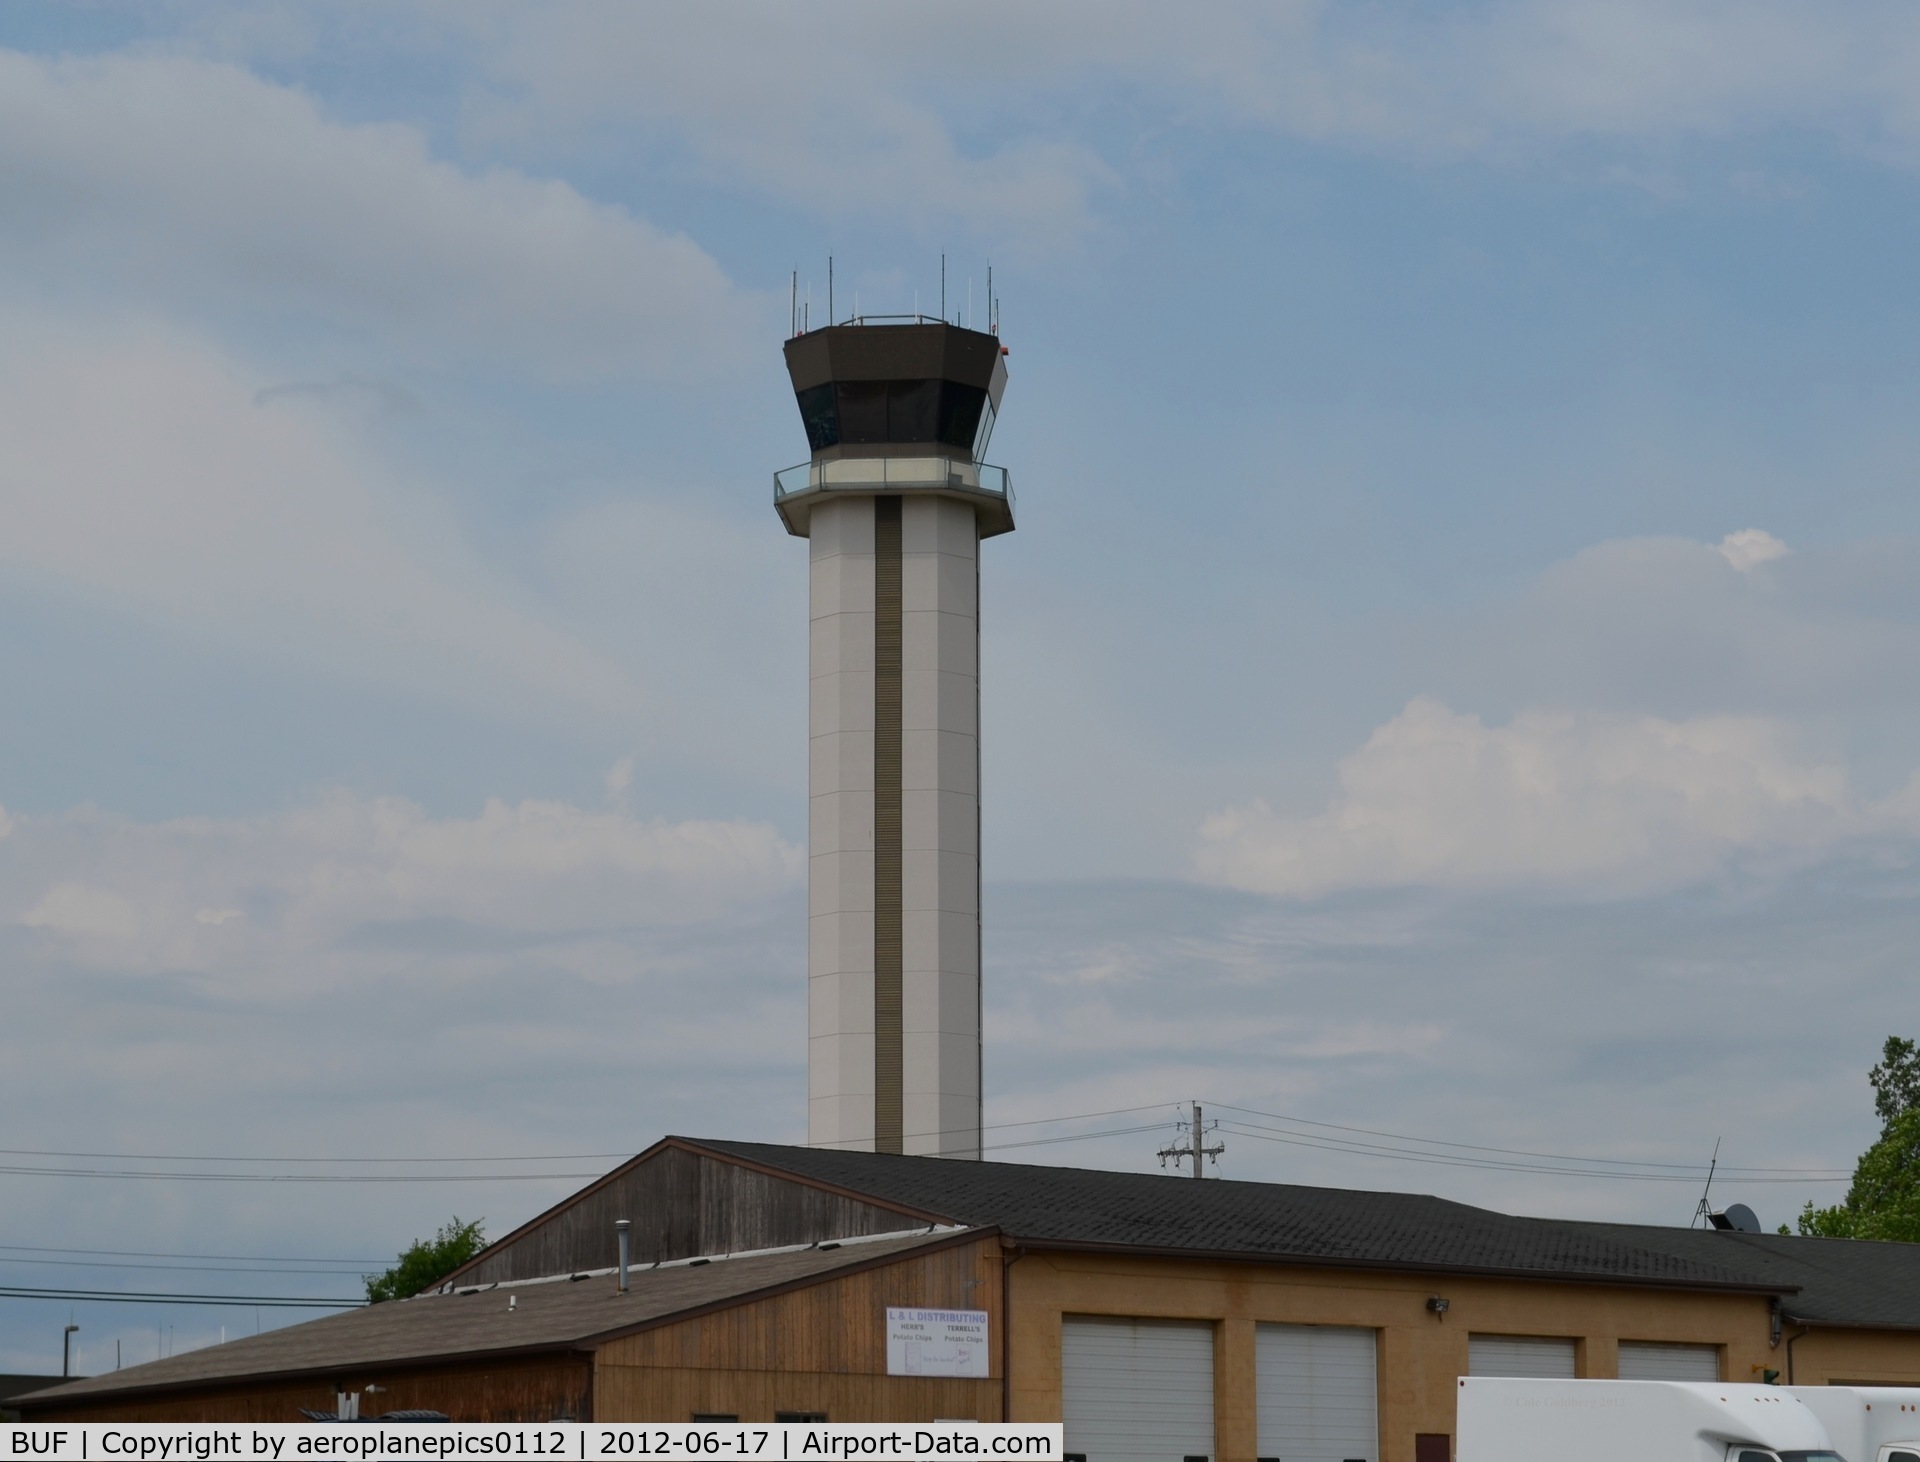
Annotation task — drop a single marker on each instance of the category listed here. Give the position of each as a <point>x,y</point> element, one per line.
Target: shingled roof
<point>1856,1283</point>
<point>1149,1212</point>
<point>477,1322</point>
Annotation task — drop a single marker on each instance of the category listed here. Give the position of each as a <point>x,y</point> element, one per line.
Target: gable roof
<point>1271,1222</point>
<point>476,1323</point>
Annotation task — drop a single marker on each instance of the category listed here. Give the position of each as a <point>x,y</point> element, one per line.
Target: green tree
<point>1884,1199</point>
<point>425,1262</point>
<point>1896,1080</point>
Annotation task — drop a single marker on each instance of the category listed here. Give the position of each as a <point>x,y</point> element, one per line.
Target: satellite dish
<point>1741,1219</point>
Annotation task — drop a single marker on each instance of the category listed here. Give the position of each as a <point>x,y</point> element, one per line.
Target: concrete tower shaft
<point>894,501</point>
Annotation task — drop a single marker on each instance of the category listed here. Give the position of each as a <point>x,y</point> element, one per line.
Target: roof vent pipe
<point>623,1227</point>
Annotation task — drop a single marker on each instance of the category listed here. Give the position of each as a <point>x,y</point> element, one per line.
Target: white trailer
<point>1867,1423</point>
<point>1504,1420</point>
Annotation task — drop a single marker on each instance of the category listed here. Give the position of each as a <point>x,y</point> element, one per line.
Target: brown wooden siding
<point>652,1394</point>
<point>827,1343</point>
<point>682,1204</point>
<point>541,1388</point>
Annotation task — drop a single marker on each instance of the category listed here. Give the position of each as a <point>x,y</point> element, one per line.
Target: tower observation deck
<point>894,502</point>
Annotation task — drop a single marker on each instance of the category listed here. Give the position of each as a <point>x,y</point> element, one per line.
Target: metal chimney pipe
<point>623,1227</point>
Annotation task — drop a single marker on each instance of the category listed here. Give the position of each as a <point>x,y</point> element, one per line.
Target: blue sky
<point>1454,677</point>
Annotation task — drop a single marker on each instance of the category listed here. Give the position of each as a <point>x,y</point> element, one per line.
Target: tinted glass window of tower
<point>867,413</point>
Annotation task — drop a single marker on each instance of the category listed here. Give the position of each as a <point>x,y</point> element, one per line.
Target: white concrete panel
<point>823,1065</point>
<point>840,641</point>
<point>844,1122</point>
<point>931,639</point>
<point>841,525</point>
<point>840,584</point>
<point>932,700</point>
<point>941,1124</point>
<point>959,884</point>
<point>945,1001</point>
<point>960,1006</point>
<point>938,525</point>
<point>840,702</point>
<point>840,882</point>
<point>940,774</point>
<point>948,821</point>
<point>837,820</point>
<point>939,760</point>
<point>920,949</point>
<point>942,581</point>
<point>933,879</point>
<point>939,1063</point>
<point>841,942</point>
<point>857,1021</point>
<point>931,940</point>
<point>841,761</point>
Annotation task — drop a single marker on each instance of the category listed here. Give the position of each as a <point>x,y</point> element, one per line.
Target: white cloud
<point>230,898</point>
<point>1606,803</point>
<point>179,178</point>
<point>140,469</point>
<point>957,115</point>
<point>1751,547</point>
<point>858,108</point>
<point>83,912</point>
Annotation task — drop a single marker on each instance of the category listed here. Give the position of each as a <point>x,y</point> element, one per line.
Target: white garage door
<point>1520,1355</point>
<point>1137,1390</point>
<point>1645,1360</point>
<point>1317,1399</point>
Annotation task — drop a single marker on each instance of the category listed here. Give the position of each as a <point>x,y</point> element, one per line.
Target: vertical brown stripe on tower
<point>888,1103</point>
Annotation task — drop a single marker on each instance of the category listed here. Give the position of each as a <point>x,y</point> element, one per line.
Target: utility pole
<point>1194,1147</point>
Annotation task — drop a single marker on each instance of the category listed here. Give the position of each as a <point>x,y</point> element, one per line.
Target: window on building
<point>799,1416</point>
<point>716,1416</point>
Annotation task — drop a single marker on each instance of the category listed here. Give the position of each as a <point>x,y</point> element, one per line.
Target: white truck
<point>1506,1420</point>
<point>1867,1423</point>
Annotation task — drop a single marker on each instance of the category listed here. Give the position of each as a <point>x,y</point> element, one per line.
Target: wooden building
<point>1157,1316</point>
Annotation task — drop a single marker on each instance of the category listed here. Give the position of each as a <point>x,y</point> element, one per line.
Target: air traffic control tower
<point>894,503</point>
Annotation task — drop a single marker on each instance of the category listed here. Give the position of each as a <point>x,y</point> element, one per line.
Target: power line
<point>175,1268</point>
<point>26,1172</point>
<point>156,1254</point>
<point>523,1157</point>
<point>1692,1169</point>
<point>142,1297</point>
<point>1361,1149</point>
<point>1075,1137</point>
<point>203,1157</point>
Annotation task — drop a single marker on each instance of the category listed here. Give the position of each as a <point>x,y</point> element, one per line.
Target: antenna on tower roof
<point>943,288</point>
<point>1705,1209</point>
<point>830,289</point>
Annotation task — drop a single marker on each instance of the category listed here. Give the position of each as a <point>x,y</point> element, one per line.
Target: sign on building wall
<point>936,1342</point>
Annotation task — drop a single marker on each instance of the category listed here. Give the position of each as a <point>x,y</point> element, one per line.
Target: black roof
<point>1845,1282</point>
<point>1275,1222</point>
